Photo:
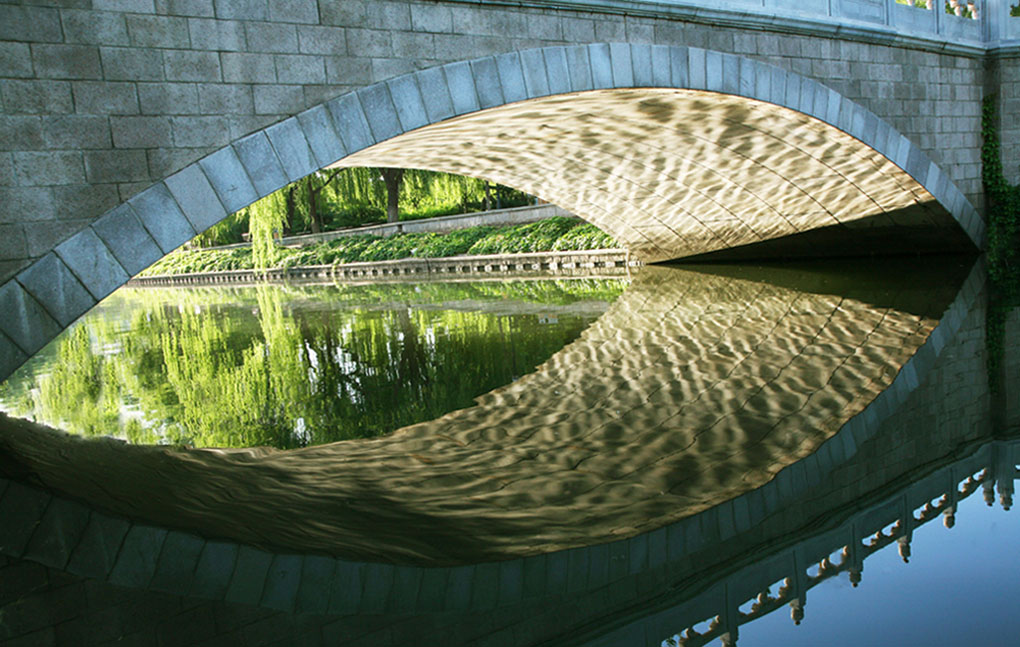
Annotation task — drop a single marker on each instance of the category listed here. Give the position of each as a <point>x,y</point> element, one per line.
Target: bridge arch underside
<point>675,173</point>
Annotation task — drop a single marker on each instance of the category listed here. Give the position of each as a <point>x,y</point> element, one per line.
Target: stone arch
<point>50,294</point>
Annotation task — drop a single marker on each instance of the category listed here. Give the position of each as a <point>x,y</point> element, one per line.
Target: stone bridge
<point>128,126</point>
<point>167,115</point>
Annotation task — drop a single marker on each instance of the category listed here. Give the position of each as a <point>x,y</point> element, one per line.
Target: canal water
<point>808,454</point>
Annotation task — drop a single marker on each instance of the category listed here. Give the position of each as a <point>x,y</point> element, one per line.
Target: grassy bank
<point>552,234</point>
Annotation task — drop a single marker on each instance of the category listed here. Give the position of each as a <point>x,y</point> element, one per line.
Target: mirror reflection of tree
<point>281,367</point>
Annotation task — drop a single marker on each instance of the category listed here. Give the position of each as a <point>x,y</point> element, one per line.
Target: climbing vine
<point>1003,208</point>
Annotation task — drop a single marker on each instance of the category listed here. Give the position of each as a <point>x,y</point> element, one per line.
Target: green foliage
<point>1003,209</point>
<point>354,197</point>
<point>560,234</point>
<point>533,237</point>
<point>285,366</point>
<point>1014,11</point>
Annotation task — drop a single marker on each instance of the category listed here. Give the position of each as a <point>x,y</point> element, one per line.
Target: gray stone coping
<point>68,535</point>
<point>876,21</point>
<point>58,288</point>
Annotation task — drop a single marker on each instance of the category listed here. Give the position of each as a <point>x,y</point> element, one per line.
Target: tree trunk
<point>392,178</point>
<point>288,225</point>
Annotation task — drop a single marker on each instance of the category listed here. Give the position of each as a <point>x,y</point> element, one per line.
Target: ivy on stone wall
<point>1003,209</point>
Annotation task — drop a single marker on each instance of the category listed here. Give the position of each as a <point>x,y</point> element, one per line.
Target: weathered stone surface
<point>196,197</point>
<point>127,239</point>
<point>97,550</point>
<point>21,509</point>
<point>93,263</point>
<point>162,217</point>
<point>56,288</point>
<point>229,179</point>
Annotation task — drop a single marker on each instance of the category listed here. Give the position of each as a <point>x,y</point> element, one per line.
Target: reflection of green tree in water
<point>271,374</point>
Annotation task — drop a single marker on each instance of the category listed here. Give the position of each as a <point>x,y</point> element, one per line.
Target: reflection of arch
<point>62,285</point>
<point>512,477</point>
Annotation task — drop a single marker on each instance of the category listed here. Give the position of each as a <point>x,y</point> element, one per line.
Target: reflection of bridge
<point>543,594</point>
<point>785,578</point>
<point>129,127</point>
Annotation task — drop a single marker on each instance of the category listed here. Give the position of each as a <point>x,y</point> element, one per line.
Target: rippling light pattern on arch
<point>673,173</point>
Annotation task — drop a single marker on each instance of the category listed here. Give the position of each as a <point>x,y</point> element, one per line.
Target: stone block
<point>598,566</point>
<point>224,99</point>
<point>13,243</point>
<point>185,65</point>
<point>436,93</point>
<point>116,166</point>
<point>432,591</point>
<point>352,124</point>
<point>42,237</point>
<point>377,584</point>
<point>406,588</point>
<point>412,45</point>
<point>11,358</point>
<point>321,136</point>
<point>458,588</point>
<point>248,68</point>
<point>461,83</point>
<point>622,65</point>
<point>431,18</point>
<point>282,583</point>
<point>278,99</point>
<point>536,80</point>
<point>486,76</point>
<point>129,242</point>
<point>197,132</point>
<point>316,581</point>
<point>94,27</point>
<point>345,591</point>
<point>178,560</point>
<point>269,37</point>
<point>138,556</point>
<point>557,70</point>
<point>407,99</point>
<point>241,9</point>
<point>249,576</point>
<point>288,140</point>
<point>641,65</point>
<point>130,64</point>
<point>45,169</point>
<point>15,60</point>
<point>196,197</point>
<point>216,35</point>
<point>299,68</point>
<point>21,133</point>
<point>317,39</point>
<point>92,262</point>
<point>215,568</point>
<point>578,67</point>
<point>36,97</point>
<point>96,551</point>
<point>128,6</point>
<point>485,587</point>
<point>33,24</point>
<point>167,98</point>
<point>162,217</point>
<point>158,31</point>
<point>57,289</point>
<point>577,569</point>
<point>260,161</point>
<point>21,509</point>
<point>141,132</point>
<point>229,179</point>
<point>105,98</point>
<point>511,77</point>
<point>511,582</point>
<point>300,11</point>
<point>369,42</point>
<point>601,65</point>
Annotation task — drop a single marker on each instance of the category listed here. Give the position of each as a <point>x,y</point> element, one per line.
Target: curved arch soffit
<point>673,150</point>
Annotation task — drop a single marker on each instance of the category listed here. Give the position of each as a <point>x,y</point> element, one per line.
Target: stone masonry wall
<point>1006,82</point>
<point>101,98</point>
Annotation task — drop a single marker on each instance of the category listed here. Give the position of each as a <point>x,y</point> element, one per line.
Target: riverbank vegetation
<point>333,199</point>
<point>551,234</point>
